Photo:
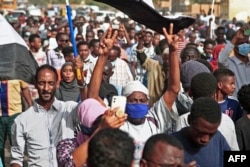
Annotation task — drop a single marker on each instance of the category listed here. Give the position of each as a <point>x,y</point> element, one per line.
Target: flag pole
<point>78,71</point>
<point>212,12</point>
<point>71,28</point>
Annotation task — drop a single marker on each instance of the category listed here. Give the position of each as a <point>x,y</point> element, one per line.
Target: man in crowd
<point>42,126</point>
<point>162,150</point>
<point>202,141</point>
<point>110,147</point>
<point>239,63</point>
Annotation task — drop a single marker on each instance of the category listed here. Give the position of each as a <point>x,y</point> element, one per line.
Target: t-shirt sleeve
<point>166,117</point>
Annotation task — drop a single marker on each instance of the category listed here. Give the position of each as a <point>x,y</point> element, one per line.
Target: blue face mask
<point>86,130</point>
<point>137,111</point>
<point>244,49</point>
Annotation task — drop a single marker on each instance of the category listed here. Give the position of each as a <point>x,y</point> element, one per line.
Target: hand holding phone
<point>120,103</point>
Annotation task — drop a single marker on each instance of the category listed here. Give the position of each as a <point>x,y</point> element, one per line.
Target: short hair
<point>206,63</point>
<point>32,37</point>
<point>209,41</point>
<point>191,45</point>
<point>67,50</point>
<point>182,55</point>
<point>161,46</point>
<point>118,49</point>
<point>93,42</point>
<point>206,108</point>
<point>221,73</point>
<point>164,138</point>
<point>110,147</point>
<point>58,35</point>
<point>244,97</point>
<point>82,43</point>
<point>100,31</point>
<point>220,28</point>
<point>203,85</point>
<point>48,67</point>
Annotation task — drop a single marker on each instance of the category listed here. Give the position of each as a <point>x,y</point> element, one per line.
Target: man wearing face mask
<point>143,122</point>
<point>239,63</point>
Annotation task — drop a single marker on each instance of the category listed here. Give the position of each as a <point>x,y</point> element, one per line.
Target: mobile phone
<point>247,32</point>
<point>120,102</point>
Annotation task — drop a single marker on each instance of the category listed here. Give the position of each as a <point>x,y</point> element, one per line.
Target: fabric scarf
<point>88,111</point>
<point>68,91</point>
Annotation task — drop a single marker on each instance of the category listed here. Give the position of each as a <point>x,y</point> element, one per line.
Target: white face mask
<point>200,48</point>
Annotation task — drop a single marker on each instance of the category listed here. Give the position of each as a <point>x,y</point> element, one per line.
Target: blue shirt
<point>210,155</point>
<point>232,108</point>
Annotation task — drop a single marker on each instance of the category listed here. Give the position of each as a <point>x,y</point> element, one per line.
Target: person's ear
<point>219,85</point>
<point>143,163</point>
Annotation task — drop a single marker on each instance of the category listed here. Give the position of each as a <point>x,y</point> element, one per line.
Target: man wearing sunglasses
<point>55,57</point>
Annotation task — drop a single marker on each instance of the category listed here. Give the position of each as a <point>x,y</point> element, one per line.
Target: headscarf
<point>134,86</point>
<point>88,111</point>
<point>68,91</point>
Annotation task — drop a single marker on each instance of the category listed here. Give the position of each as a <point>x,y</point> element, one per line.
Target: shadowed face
<point>163,155</point>
<point>202,131</point>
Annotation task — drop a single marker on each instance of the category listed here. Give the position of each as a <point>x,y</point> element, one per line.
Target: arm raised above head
<point>171,93</point>
<point>95,82</point>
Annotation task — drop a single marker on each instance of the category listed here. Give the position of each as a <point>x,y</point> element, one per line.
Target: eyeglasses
<point>62,40</point>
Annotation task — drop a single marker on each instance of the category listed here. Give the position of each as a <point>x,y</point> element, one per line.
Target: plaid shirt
<point>140,71</point>
<point>122,74</point>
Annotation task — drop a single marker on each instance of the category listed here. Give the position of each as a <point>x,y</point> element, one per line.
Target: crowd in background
<point>193,85</point>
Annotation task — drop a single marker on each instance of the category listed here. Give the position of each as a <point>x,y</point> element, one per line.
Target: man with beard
<point>44,124</point>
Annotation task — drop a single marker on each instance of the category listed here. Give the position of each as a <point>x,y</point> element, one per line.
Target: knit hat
<point>189,69</point>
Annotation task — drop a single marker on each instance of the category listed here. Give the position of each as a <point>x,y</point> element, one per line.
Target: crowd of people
<point>187,94</point>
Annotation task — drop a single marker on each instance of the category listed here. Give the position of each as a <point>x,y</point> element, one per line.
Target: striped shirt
<point>10,97</point>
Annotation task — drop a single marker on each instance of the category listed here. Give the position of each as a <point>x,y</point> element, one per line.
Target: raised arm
<point>96,79</point>
<point>122,28</point>
<point>225,53</point>
<point>174,70</point>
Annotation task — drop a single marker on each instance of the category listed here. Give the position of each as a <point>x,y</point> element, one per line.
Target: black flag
<point>145,14</point>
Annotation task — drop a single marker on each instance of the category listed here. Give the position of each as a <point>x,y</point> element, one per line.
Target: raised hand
<point>239,36</point>
<point>110,119</point>
<point>108,41</point>
<point>172,39</point>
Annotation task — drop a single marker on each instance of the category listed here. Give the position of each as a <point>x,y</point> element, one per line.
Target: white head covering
<point>134,86</point>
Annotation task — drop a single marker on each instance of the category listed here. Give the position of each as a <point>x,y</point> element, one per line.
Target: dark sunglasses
<point>62,40</point>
